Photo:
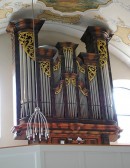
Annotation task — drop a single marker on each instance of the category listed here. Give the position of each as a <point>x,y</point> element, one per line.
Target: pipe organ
<point>74,92</point>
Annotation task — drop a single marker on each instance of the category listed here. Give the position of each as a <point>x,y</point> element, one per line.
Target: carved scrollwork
<point>82,88</point>
<point>57,65</point>
<point>26,39</point>
<point>45,66</point>
<point>73,81</point>
<point>69,80</point>
<point>91,72</point>
<point>102,49</point>
<point>59,88</point>
<point>81,69</point>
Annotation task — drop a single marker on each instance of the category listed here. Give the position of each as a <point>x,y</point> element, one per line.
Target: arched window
<point>122,105</point>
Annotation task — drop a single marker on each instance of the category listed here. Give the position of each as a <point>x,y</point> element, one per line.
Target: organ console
<point>74,91</point>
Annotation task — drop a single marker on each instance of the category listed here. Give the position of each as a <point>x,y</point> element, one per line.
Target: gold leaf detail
<point>68,50</point>
<point>102,49</point>
<point>45,66</point>
<point>67,81</point>
<point>73,81</point>
<point>84,91</point>
<point>81,69</point>
<point>57,66</point>
<point>26,39</point>
<point>91,72</point>
<point>70,80</point>
<point>59,88</point>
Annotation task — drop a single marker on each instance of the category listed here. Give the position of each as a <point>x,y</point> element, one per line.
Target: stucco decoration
<point>124,34</point>
<point>4,12</point>
<point>7,8</point>
<point>48,15</point>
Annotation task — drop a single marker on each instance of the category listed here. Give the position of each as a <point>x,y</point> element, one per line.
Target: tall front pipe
<point>22,32</point>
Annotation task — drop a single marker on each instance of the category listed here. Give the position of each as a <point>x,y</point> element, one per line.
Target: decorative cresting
<point>92,69</point>
<point>45,66</point>
<point>26,39</point>
<point>102,49</point>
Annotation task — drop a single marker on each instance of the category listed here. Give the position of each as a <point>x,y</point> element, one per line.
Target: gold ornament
<point>91,72</point>
<point>102,49</point>
<point>26,39</point>
<point>45,66</point>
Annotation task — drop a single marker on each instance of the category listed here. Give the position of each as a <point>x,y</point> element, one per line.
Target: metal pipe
<point>25,83</point>
<point>41,77</point>
<point>44,93</point>
<point>104,91</point>
<point>33,84</point>
<point>29,85</point>
<point>21,81</point>
<point>49,95</point>
<point>98,101</point>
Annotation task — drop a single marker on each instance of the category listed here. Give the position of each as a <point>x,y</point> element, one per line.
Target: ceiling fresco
<point>74,5</point>
<point>76,14</point>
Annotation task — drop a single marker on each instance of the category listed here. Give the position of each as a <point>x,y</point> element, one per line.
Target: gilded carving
<point>59,88</point>
<point>91,72</point>
<point>68,50</point>
<point>45,66</point>
<point>57,65</point>
<point>102,49</point>
<point>81,69</point>
<point>73,81</point>
<point>84,91</point>
<point>69,80</point>
<point>26,39</point>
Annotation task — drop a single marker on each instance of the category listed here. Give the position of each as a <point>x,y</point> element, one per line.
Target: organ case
<point>74,92</point>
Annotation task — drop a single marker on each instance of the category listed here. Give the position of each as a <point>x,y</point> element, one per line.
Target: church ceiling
<point>77,14</point>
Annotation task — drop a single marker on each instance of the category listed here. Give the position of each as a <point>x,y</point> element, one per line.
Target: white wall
<point>57,156</point>
<point>6,93</point>
<point>119,70</point>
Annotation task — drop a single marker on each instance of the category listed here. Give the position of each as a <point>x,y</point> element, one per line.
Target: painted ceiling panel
<point>74,5</point>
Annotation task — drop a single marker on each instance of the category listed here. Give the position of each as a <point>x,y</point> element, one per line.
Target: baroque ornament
<point>26,39</point>
<point>102,49</point>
